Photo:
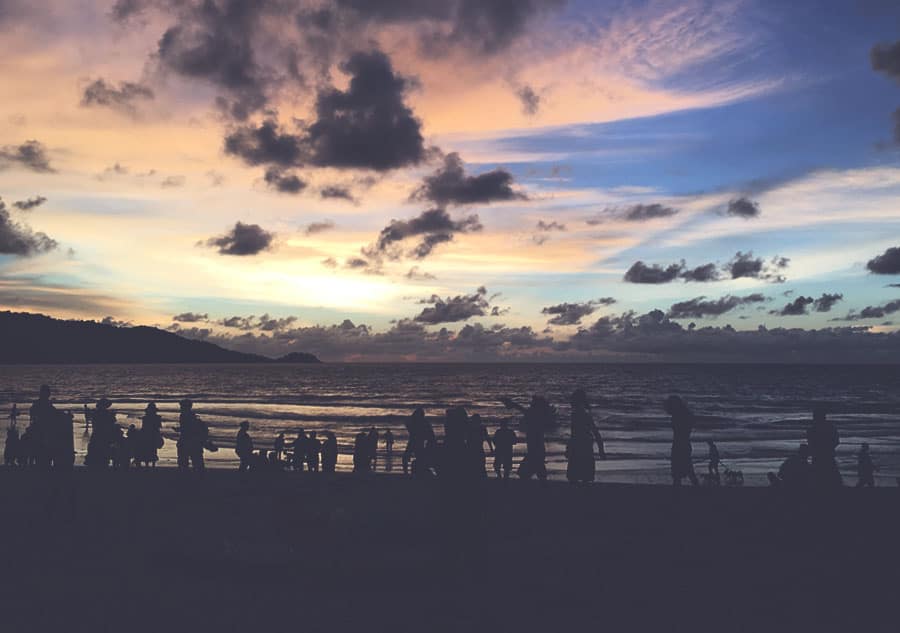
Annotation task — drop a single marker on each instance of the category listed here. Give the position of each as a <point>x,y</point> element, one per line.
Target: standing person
<point>43,418</point>
<point>537,418</point>
<point>476,438</point>
<point>279,446</point>
<point>714,461</point>
<point>865,467</point>
<point>682,427</point>
<point>373,448</point>
<point>11,448</point>
<point>243,447</point>
<point>151,435</point>
<point>103,436</point>
<point>298,456</point>
<point>14,416</point>
<point>329,453</point>
<point>313,449</point>
<point>389,442</point>
<point>362,461</point>
<point>420,434</point>
<point>193,435</point>
<point>581,467</point>
<point>823,439</point>
<point>504,440</point>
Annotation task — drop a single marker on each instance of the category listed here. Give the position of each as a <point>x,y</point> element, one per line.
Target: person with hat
<point>193,435</point>
<point>100,446</point>
<point>151,439</point>
<point>243,446</point>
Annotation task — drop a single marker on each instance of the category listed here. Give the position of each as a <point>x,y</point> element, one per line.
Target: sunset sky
<point>458,179</point>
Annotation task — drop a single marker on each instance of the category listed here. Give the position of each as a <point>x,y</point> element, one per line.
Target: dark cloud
<point>433,227</point>
<point>546,227</point>
<point>356,263</point>
<point>633,213</point>
<point>531,101</point>
<point>330,262</point>
<point>243,239</point>
<point>702,274</point>
<point>573,313</point>
<point>190,317</point>
<point>872,312</point>
<point>30,154</point>
<point>700,307</point>
<point>827,301</point>
<point>450,185</point>
<point>743,208</point>
<point>318,227</point>
<point>641,273</point>
<point>416,274</point>
<point>18,239</point>
<point>30,203</point>
<point>888,263</point>
<point>454,309</point>
<point>796,307</point>
<point>283,182</point>
<point>265,144</point>
<point>336,192</point>
<point>121,97</point>
<point>114,322</point>
<point>745,265</point>
<point>886,59</point>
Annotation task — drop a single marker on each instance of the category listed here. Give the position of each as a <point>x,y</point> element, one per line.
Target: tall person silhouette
<point>682,452</point>
<point>536,419</point>
<point>580,451</point>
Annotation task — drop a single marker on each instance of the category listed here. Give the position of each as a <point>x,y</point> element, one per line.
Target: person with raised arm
<point>536,419</point>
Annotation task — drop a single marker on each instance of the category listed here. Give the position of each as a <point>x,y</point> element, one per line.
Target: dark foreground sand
<point>162,552</point>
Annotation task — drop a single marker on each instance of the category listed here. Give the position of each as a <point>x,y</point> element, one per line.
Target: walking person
<point>581,466</point>
<point>243,447</point>
<point>504,439</point>
<point>682,453</point>
<point>537,418</point>
<point>151,436</point>
<point>193,436</point>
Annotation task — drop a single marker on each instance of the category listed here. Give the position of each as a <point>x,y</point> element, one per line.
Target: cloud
<point>702,274</point>
<point>190,317</point>
<point>243,239</point>
<point>314,228</point>
<point>416,274</point>
<point>121,97</point>
<point>827,301</point>
<point>700,307</point>
<point>30,154</point>
<point>872,312</point>
<point>173,182</point>
<point>434,227</point>
<point>450,185</point>
<point>745,265</point>
<point>641,273</point>
<point>885,59</point>
<point>336,192</point>
<point>454,309</point>
<point>531,101</point>
<point>743,208</point>
<point>114,322</point>
<point>18,239</point>
<point>330,262</point>
<point>888,263</point>
<point>573,313</point>
<point>633,213</point>
<point>265,144</point>
<point>30,203</point>
<point>796,307</point>
<point>283,182</point>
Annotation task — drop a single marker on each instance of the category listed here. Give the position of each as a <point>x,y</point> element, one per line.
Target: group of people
<point>460,454</point>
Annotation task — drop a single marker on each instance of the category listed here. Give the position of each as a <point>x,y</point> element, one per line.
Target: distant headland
<point>38,339</point>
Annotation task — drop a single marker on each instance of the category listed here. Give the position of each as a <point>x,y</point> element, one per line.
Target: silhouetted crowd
<point>461,453</point>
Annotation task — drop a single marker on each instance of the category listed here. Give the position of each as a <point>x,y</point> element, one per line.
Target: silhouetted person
<point>313,450</point>
<point>389,442</point>
<point>455,461</point>
<point>43,420</point>
<point>193,435</point>
<point>243,447</point>
<point>682,452</point>
<point>362,461</point>
<point>329,453</point>
<point>102,445</point>
<point>373,447</point>
<point>151,435</point>
<point>580,451</point>
<point>476,438</point>
<point>823,439</point>
<point>865,468</point>
<point>714,461</point>
<point>279,446</point>
<point>420,434</point>
<point>14,416</point>
<point>537,418</point>
<point>11,449</point>
<point>795,471</point>
<point>504,440</point>
<point>298,454</point>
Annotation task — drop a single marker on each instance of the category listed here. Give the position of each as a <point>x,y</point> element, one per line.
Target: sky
<point>374,180</point>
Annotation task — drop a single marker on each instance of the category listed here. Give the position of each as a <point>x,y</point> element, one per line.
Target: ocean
<point>756,414</point>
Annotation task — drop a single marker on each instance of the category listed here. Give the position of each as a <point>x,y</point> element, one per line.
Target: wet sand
<point>158,551</point>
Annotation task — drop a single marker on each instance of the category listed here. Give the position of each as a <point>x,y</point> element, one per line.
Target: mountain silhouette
<point>38,339</point>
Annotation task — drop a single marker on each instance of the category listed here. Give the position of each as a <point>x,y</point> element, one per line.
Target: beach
<point>163,550</point>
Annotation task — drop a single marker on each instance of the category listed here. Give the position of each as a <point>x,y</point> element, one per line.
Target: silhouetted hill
<point>35,338</point>
<point>298,357</point>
